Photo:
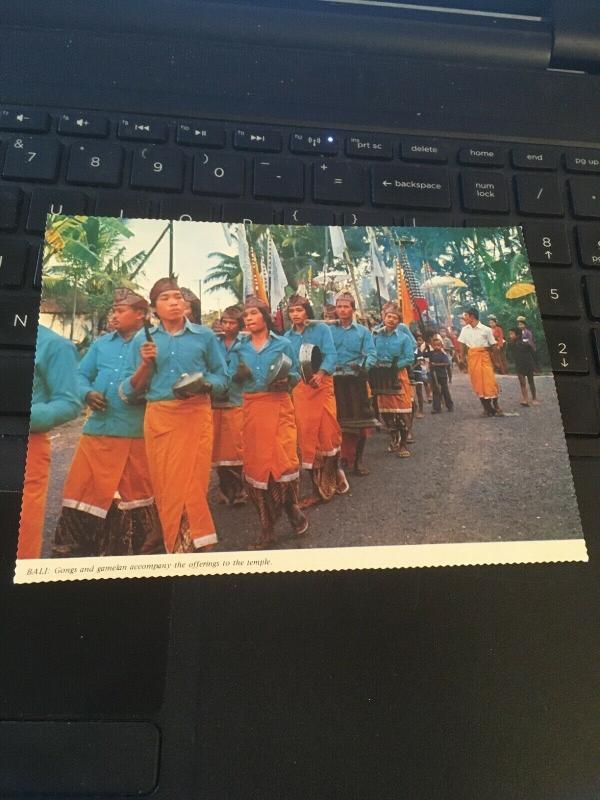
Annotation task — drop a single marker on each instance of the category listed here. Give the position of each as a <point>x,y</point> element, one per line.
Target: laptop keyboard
<point>132,166</point>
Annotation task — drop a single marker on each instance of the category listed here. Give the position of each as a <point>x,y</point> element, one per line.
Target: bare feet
<point>342,482</point>
<point>307,502</point>
<point>403,452</point>
<point>360,470</point>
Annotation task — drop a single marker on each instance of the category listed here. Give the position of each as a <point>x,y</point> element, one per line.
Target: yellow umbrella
<point>519,290</point>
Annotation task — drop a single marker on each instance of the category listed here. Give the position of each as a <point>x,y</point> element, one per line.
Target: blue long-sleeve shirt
<point>354,345</point>
<point>192,349</point>
<point>259,361</point>
<point>318,333</point>
<point>232,359</point>
<point>55,398</point>
<point>395,345</point>
<point>102,369</point>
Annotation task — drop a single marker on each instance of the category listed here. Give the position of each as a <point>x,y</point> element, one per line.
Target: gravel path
<point>470,479</point>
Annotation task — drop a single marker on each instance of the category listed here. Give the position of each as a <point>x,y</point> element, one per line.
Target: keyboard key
<point>10,204</point>
<point>567,346</point>
<point>257,139</point>
<point>582,160</point>
<point>16,378</point>
<point>423,150</point>
<point>142,131</point>
<point>412,220</point>
<point>188,208</point>
<point>278,178</point>
<point>482,155</point>
<point>596,340</point>
<point>592,292</point>
<point>24,119</point>
<point>484,191</point>
<point>318,142</point>
<point>588,243</point>
<point>201,134</point>
<point>157,168</point>
<point>534,158</point>
<point>83,125</point>
<point>369,147</point>
<point>53,201</point>
<point>547,243</point>
<point>336,182</point>
<point>585,197</point>
<point>579,405</point>
<point>248,212</point>
<point>18,322</point>
<point>13,261</point>
<point>558,292</point>
<point>539,195</point>
<point>95,164</point>
<point>308,216</point>
<point>31,158</point>
<point>123,205</point>
<point>411,187</point>
<point>217,173</point>
<point>360,218</point>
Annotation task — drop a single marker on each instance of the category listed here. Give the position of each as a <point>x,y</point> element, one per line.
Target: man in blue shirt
<point>110,459</point>
<point>178,431</point>
<point>54,402</point>
<point>395,350</point>
<point>319,433</point>
<point>355,356</point>
<point>271,467</point>
<point>228,417</point>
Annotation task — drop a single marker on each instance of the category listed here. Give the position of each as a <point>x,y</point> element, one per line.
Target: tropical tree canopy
<point>84,261</point>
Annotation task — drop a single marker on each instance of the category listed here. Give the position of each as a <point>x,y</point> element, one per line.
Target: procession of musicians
<point>169,400</point>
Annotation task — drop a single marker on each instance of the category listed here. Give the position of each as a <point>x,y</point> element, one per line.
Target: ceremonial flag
<point>338,243</point>
<point>278,277</point>
<point>408,311</point>
<point>244,258</point>
<point>379,269</point>
<point>258,286</point>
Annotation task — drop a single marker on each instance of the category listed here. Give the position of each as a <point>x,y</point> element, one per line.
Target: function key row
<point>319,142</point>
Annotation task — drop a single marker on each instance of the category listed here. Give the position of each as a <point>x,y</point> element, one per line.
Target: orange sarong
<point>481,373</point>
<point>178,437</point>
<point>104,465</point>
<point>228,448</point>
<point>400,403</point>
<point>319,432</point>
<point>270,439</point>
<point>35,488</point>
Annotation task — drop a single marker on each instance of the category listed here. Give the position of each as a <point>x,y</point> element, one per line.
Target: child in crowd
<point>524,358</point>
<point>439,361</point>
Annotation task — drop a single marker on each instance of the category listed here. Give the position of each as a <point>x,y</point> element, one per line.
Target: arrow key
<point>197,134</point>
<point>567,345</point>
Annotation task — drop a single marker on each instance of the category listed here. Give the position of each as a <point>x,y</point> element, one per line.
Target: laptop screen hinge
<point>576,35</point>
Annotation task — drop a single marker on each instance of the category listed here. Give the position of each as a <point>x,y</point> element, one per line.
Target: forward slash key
<point>410,187</point>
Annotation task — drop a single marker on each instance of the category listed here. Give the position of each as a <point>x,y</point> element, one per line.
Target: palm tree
<point>84,261</point>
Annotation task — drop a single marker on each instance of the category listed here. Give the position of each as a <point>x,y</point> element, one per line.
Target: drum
<point>354,406</point>
<point>278,370</point>
<point>189,385</point>
<point>310,358</point>
<point>384,380</point>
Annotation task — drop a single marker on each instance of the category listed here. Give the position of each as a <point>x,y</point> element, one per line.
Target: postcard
<point>225,398</point>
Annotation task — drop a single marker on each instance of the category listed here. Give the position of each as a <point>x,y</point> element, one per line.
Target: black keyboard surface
<point>68,161</point>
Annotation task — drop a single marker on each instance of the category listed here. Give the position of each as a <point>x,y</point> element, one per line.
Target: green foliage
<point>90,265</point>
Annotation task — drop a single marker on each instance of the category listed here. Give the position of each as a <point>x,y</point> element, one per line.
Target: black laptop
<point>479,682</point>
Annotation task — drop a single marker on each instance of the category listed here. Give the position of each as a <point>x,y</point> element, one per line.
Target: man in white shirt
<point>477,342</point>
